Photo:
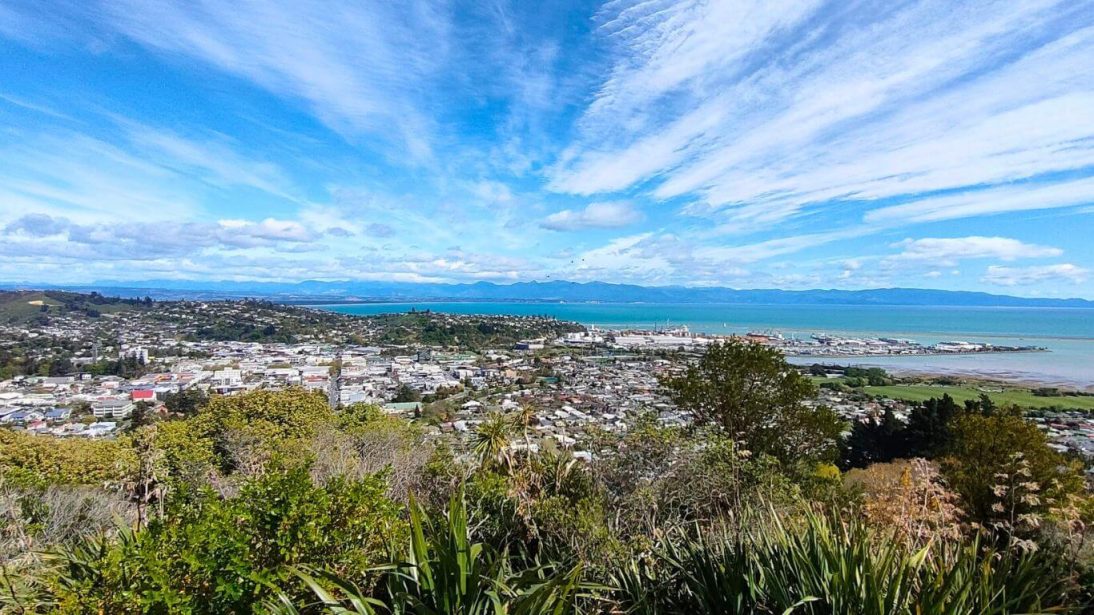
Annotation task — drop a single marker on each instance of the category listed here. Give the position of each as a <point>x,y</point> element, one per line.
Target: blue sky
<point>735,143</point>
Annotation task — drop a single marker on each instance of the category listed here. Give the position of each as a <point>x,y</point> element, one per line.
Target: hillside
<point>474,332</point>
<point>24,307</point>
<point>48,332</point>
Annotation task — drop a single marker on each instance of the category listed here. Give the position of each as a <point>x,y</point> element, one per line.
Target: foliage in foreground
<point>445,571</point>
<point>207,554</point>
<point>774,564</point>
<point>271,502</point>
<point>819,565</point>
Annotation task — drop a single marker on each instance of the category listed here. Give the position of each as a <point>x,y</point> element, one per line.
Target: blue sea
<point>1068,333</point>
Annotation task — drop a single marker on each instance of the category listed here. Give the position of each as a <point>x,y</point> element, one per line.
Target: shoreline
<point>916,354</point>
<point>1001,378</point>
<point>1064,365</point>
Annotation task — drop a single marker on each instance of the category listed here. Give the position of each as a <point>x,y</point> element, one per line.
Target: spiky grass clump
<point>818,565</point>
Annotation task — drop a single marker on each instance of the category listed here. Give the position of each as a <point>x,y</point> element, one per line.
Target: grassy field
<point>1009,396</point>
<point>18,307</point>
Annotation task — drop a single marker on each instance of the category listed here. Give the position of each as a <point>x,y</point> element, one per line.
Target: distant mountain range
<point>556,291</point>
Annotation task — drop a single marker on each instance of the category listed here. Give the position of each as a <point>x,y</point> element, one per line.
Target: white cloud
<point>1022,197</point>
<point>89,180</point>
<point>44,247</point>
<point>330,219</point>
<point>946,252</point>
<point>391,215</point>
<point>672,259</point>
<point>491,192</point>
<point>30,106</point>
<point>668,47</point>
<point>609,214</point>
<point>631,257</point>
<point>357,66</point>
<point>269,229</point>
<point>214,159</point>
<point>753,252</point>
<point>805,106</point>
<point>59,239</point>
<point>1025,276</point>
<point>22,21</point>
<point>152,174</point>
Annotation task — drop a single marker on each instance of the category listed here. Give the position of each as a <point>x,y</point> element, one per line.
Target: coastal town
<point>608,307</point>
<point>574,381</point>
<point>815,345</point>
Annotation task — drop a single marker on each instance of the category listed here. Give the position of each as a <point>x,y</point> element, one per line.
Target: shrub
<point>214,555</point>
<point>909,499</point>
<point>1002,467</point>
<point>30,459</point>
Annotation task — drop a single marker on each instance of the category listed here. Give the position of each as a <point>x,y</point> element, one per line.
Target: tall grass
<point>816,565</point>
<point>446,572</point>
<point>810,564</point>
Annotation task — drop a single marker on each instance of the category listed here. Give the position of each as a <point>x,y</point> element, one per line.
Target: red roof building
<point>143,395</point>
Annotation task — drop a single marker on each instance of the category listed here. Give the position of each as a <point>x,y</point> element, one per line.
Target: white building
<point>114,408</point>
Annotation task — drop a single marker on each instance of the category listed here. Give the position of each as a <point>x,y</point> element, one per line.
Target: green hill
<point>25,307</point>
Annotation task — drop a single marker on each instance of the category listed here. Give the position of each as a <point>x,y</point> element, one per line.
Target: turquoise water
<point>1067,332</point>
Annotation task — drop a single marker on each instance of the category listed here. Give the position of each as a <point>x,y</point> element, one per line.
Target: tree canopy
<point>753,395</point>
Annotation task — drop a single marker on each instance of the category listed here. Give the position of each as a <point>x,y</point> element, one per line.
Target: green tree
<point>46,459</point>
<point>492,438</point>
<point>983,449</point>
<point>141,416</point>
<point>186,402</point>
<point>929,425</point>
<point>873,376</point>
<point>875,441</point>
<point>188,454</point>
<point>983,404</point>
<point>753,395</point>
<point>247,430</point>
<point>407,394</point>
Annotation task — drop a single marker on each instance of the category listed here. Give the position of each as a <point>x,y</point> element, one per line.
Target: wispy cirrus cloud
<point>88,179</point>
<point>149,174</point>
<point>213,157</point>
<point>359,67</point>
<point>817,103</point>
<point>982,202</point>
